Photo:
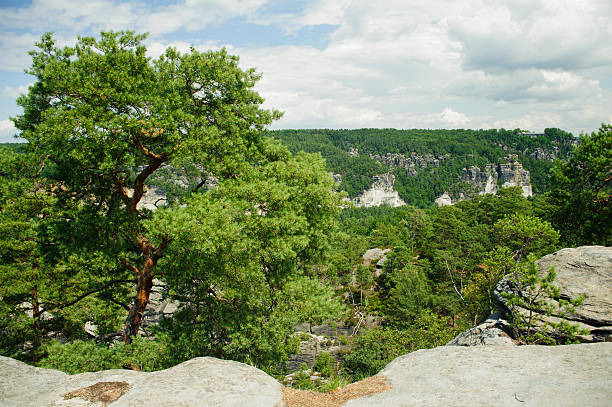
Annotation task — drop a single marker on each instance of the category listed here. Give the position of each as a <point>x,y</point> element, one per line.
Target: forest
<point>272,244</point>
<point>453,150</point>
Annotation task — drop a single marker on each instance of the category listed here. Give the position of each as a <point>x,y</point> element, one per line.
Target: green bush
<point>378,347</point>
<point>87,356</point>
<point>325,364</point>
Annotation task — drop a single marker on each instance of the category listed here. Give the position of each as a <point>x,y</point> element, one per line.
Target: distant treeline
<point>462,149</point>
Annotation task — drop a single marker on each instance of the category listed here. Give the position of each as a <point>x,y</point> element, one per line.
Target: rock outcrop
<point>445,200</point>
<point>513,174</point>
<point>531,376</point>
<point>486,181</point>
<point>571,375</point>
<point>413,162</point>
<point>377,255</point>
<point>380,193</point>
<point>197,382</point>
<point>495,331</point>
<point>585,270</point>
<point>544,154</point>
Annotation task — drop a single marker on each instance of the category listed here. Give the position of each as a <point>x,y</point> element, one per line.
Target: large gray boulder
<point>198,382</point>
<point>583,270</point>
<point>530,376</point>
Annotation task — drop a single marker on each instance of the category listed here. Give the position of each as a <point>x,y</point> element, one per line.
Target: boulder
<point>530,376</point>
<point>372,255</point>
<point>201,381</point>
<point>583,270</point>
<point>495,331</point>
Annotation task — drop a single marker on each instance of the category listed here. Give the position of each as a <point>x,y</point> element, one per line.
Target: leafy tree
<point>236,259</point>
<point>88,356</point>
<point>581,192</point>
<point>526,234</point>
<point>364,280</point>
<point>479,292</point>
<point>410,295</point>
<point>37,290</point>
<point>106,117</point>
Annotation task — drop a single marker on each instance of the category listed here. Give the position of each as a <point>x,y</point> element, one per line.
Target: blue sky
<point>357,63</point>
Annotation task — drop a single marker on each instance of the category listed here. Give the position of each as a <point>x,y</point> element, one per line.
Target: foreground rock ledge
<point>197,382</point>
<point>572,375</point>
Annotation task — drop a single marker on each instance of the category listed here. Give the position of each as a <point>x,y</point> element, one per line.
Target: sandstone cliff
<point>478,181</point>
<point>380,193</point>
<point>413,162</point>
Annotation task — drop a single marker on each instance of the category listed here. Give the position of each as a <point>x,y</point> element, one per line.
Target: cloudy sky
<point>529,64</point>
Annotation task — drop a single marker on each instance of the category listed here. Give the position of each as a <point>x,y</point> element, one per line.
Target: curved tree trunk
<point>143,291</point>
<point>144,278</point>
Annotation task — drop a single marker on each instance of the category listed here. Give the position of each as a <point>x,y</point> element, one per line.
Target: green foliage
<point>247,244</point>
<point>581,195</point>
<point>479,293</point>
<point>302,378</point>
<point>36,284</point>
<point>409,296</point>
<point>81,356</point>
<point>325,364</point>
<point>333,383</point>
<point>532,299</point>
<point>102,118</point>
<point>526,234</point>
<point>376,348</point>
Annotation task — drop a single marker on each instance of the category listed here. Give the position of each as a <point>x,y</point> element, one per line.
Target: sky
<point>526,64</point>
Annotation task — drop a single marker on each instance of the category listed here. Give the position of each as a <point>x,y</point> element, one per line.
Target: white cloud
<point>96,15</point>
<point>397,64</point>
<point>530,122</point>
<point>7,131</point>
<point>521,86</point>
<point>14,50</point>
<point>43,15</point>
<point>504,35</point>
<point>194,15</point>
<point>14,92</point>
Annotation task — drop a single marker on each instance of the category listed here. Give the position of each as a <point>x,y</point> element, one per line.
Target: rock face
<point>543,154</point>
<point>571,375</point>
<point>153,198</point>
<point>582,270</point>
<point>198,382</point>
<point>380,193</point>
<point>530,376</point>
<point>413,163</point>
<point>311,345</point>
<point>486,181</point>
<point>444,200</point>
<point>159,307</point>
<point>513,174</point>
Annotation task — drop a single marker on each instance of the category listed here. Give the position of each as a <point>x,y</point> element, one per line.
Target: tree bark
<point>143,291</point>
<point>144,278</point>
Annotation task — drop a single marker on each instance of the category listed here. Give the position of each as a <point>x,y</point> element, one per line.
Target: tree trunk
<point>143,290</point>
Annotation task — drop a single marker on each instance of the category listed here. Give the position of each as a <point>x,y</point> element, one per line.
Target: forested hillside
<point>432,159</point>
